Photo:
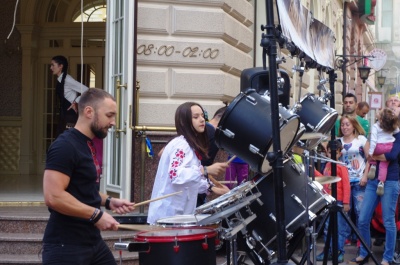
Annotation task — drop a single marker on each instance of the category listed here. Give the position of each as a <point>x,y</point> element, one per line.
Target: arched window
<point>96,13</point>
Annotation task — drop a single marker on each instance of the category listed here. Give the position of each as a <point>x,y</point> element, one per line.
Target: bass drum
<point>298,191</point>
<point>245,130</point>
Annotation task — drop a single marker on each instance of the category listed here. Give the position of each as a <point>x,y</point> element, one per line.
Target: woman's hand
<point>364,179</point>
<point>74,106</point>
<point>220,190</point>
<point>346,207</point>
<point>217,169</point>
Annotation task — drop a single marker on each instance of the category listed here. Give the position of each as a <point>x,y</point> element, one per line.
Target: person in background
<point>381,141</point>
<point>388,203</point>
<point>238,171</point>
<point>71,184</point>
<point>354,156</point>
<point>393,102</point>
<point>68,91</point>
<point>349,108</point>
<point>343,199</point>
<point>180,168</point>
<point>362,109</point>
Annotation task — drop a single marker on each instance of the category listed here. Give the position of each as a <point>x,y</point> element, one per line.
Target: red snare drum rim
<point>152,237</point>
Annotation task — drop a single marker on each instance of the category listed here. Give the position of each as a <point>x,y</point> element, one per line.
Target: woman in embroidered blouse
<point>180,166</point>
<point>68,91</point>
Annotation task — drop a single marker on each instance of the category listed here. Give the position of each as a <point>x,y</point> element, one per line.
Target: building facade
<point>183,50</point>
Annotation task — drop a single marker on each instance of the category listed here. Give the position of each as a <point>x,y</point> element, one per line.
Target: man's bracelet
<point>97,218</point>
<point>93,215</point>
<point>107,203</point>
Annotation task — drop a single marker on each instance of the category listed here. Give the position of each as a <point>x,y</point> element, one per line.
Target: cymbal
<point>310,136</point>
<point>327,179</point>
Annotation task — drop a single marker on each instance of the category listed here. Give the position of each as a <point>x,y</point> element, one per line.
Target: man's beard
<point>96,130</point>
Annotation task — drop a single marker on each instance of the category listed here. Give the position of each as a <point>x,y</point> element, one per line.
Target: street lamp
<point>381,79</point>
<point>364,72</point>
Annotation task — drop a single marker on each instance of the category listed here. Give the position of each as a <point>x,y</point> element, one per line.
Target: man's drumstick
<point>156,199</point>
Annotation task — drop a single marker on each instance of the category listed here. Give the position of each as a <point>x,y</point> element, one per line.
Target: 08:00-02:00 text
<point>165,50</point>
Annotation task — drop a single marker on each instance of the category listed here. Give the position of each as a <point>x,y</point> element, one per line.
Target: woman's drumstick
<point>216,182</point>
<point>230,160</point>
<point>156,199</point>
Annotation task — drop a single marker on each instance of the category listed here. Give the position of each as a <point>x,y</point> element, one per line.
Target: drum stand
<point>269,43</point>
<point>235,225</point>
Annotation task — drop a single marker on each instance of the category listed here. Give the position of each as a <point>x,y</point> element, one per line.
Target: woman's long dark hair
<point>184,126</point>
<point>61,60</point>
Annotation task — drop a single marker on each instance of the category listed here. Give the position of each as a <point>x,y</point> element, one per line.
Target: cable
<point>81,46</point>
<point>15,15</point>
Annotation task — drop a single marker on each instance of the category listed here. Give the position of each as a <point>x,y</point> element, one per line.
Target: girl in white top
<point>381,141</point>
<point>180,167</point>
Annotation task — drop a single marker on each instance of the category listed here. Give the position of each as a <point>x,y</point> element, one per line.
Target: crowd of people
<point>371,156</point>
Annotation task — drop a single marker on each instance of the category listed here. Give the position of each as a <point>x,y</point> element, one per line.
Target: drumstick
<point>138,227</point>
<point>215,182</point>
<point>156,199</point>
<point>228,182</point>
<point>230,160</point>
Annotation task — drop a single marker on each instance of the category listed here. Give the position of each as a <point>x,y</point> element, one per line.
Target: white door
<point>119,68</point>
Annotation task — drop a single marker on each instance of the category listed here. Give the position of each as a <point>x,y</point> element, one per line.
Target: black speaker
<point>258,79</point>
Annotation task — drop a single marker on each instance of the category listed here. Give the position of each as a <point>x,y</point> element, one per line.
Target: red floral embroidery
<point>176,162</point>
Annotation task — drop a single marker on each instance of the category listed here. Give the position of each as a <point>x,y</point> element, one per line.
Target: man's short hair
<point>351,95</point>
<point>92,97</point>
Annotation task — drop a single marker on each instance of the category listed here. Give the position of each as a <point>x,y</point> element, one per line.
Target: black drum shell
<point>189,240</point>
<point>249,118</point>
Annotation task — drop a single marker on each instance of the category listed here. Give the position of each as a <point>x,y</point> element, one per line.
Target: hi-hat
<point>310,136</point>
<point>327,179</point>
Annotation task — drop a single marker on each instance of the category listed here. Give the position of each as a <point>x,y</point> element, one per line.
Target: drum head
<point>182,220</point>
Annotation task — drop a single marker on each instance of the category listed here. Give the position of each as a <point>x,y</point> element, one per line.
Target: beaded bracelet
<point>93,215</point>
<point>97,218</point>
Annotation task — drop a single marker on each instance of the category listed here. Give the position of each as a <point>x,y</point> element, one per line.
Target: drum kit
<point>245,130</point>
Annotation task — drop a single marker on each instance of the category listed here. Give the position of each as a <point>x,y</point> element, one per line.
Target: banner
<point>311,36</point>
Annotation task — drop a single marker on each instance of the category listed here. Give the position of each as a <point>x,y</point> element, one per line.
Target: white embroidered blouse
<point>179,169</point>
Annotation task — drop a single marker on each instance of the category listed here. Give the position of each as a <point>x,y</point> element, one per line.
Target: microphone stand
<point>275,158</point>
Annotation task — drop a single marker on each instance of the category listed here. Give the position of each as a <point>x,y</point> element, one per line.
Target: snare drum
<point>245,129</point>
<point>227,204</point>
<point>317,117</point>
<point>191,221</point>
<point>194,246</point>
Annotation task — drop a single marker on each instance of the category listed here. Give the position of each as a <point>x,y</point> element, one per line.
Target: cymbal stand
<point>309,230</point>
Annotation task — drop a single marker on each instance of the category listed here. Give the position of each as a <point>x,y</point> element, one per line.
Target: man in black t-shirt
<point>71,185</point>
